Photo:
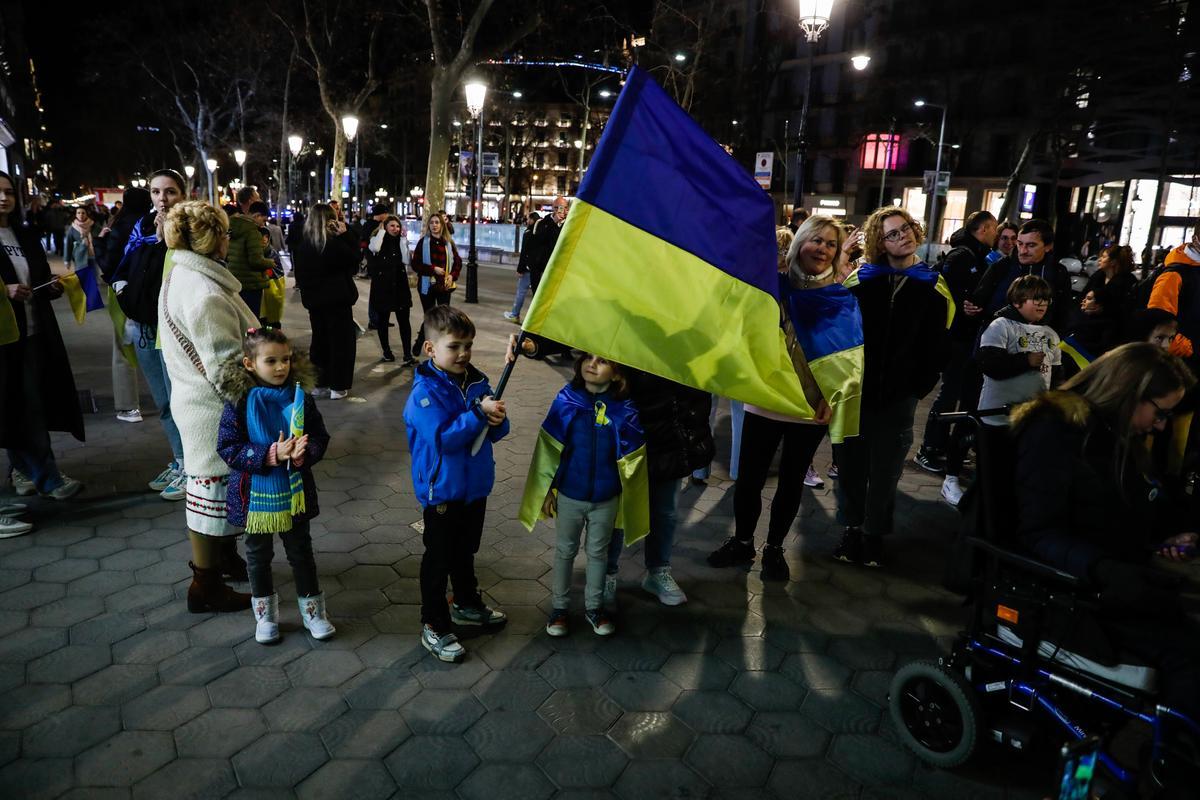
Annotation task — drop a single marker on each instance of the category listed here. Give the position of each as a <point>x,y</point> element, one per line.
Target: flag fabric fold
<point>75,295</point>
<point>295,418</point>
<point>1076,351</point>
<point>667,260</point>
<point>9,332</point>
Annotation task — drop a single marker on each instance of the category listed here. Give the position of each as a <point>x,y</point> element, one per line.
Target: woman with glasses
<point>906,312</point>
<point>1090,502</point>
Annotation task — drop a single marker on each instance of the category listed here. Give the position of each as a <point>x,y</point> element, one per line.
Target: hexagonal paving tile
<point>698,671</point>
<point>108,628</point>
<point>124,759</point>
<point>70,663</point>
<point>712,712</point>
<point>749,653</point>
<point>511,690</point>
<point>575,670</point>
<point>582,761</point>
<point>442,711</point>
<point>365,733</point>
<point>509,736</point>
<point>219,733</point>
<point>579,711</point>
<point>70,732</point>
<point>324,668</point>
<point>653,734</point>
<point>788,734</point>
<point>115,685</point>
<point>628,653</point>
<point>37,778</point>
<point>819,777</point>
<point>512,651</point>
<point>30,643</point>
<point>280,760</point>
<point>65,570</point>
<point>165,708</point>
<point>370,780</point>
<point>642,691</point>
<point>247,687</point>
<point>32,595</point>
<point>643,779</point>
<point>871,759</point>
<point>506,782</point>
<point>815,671</point>
<point>767,691</point>
<point>728,761</point>
<point>149,647</point>
<point>304,709</point>
<point>380,689</point>
<point>435,674</point>
<point>199,777</point>
<point>431,763</point>
<point>841,711</point>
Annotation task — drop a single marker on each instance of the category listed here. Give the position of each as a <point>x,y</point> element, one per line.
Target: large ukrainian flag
<point>667,261</point>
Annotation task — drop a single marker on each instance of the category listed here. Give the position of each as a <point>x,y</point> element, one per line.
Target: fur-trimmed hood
<point>234,381</point>
<point>1073,409</point>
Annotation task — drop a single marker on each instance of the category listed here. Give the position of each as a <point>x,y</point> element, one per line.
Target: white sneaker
<point>659,583</point>
<point>813,478</point>
<point>176,489</point>
<point>10,527</point>
<point>266,618</point>
<point>70,487</point>
<point>312,613</point>
<point>13,509</point>
<point>510,316</point>
<point>320,391</point>
<point>610,592</point>
<point>166,477</point>
<point>444,646</point>
<point>22,485</point>
<point>132,415</point>
<point>952,491</point>
<point>334,394</point>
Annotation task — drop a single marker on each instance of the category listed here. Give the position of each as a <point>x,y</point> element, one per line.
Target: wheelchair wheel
<point>935,713</point>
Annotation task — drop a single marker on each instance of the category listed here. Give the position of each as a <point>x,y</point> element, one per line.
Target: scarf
<point>85,233</point>
<point>277,495</point>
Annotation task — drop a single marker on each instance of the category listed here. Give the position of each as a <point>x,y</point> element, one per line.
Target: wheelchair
<point>1017,670</point>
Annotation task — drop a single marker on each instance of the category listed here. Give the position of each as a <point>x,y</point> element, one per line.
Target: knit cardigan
<point>201,322</point>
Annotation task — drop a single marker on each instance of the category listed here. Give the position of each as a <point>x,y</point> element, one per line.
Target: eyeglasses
<point>896,235</point>
<point>1161,414</point>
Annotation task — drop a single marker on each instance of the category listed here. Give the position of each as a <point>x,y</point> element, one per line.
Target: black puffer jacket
<point>675,420</point>
<point>965,264</point>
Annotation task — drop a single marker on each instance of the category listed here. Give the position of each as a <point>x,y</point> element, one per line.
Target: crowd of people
<point>1099,388</point>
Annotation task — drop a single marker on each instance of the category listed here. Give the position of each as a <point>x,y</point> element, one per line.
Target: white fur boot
<point>266,618</point>
<point>312,612</point>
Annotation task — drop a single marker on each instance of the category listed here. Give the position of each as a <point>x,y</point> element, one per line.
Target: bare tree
<point>449,67</point>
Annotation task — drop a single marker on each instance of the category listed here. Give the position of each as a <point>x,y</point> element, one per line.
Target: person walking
<point>436,261</point>
<point>325,262</point>
<point>387,264</point>
<point>514,315</point>
<point>202,321</point>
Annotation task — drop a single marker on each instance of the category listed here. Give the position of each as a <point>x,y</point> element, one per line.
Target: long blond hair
<point>809,228</point>
<point>316,227</point>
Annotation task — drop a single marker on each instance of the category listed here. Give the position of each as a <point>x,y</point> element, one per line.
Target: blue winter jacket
<point>443,422</point>
<point>594,426</point>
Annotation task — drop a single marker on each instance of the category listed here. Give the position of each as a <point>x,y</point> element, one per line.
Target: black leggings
<point>760,440</point>
<point>297,543</point>
<point>381,328</point>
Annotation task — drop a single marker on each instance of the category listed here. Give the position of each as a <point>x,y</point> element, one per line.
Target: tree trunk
<point>442,85</point>
<point>339,161</point>
<point>1013,189</point>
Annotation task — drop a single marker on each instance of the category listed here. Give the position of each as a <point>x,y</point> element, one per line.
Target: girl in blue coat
<point>589,470</point>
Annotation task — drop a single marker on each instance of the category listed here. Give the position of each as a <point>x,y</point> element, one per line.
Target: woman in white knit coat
<point>201,322</point>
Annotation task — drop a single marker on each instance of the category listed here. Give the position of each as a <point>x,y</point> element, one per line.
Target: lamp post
<point>814,19</point>
<point>350,126</point>
<point>476,91</point>
<point>931,232</point>
<point>295,142</point>
<point>239,156</point>
<point>190,171</point>
<point>211,163</point>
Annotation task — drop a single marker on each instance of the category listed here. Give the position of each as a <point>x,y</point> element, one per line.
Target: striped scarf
<point>278,494</point>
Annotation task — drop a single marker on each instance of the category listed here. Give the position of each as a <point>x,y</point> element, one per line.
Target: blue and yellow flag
<point>295,418</point>
<point>1077,352</point>
<point>920,272</point>
<point>9,332</point>
<point>667,261</point>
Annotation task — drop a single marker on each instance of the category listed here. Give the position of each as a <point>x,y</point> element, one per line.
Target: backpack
<point>143,273</point>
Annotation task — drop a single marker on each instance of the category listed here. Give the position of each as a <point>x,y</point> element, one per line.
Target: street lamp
<point>930,233</point>
<point>860,61</point>
<point>476,92</point>
<point>350,126</point>
<point>814,19</point>
<point>239,156</point>
<point>190,171</point>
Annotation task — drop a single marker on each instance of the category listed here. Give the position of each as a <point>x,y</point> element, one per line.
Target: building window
<point>561,182</point>
<point>880,150</point>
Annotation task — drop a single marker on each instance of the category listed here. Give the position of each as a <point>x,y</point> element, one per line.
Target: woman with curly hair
<point>201,322</point>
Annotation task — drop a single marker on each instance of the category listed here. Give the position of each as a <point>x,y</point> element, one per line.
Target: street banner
<point>764,165</point>
<point>651,271</point>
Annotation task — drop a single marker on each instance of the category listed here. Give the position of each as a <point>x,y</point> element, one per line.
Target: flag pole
<point>500,384</point>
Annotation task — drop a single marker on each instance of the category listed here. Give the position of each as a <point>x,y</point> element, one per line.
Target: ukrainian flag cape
<point>667,261</point>
<point>618,419</point>
<point>918,272</point>
<point>831,336</point>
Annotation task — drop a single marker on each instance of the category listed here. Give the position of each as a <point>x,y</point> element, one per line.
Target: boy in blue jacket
<point>449,408</point>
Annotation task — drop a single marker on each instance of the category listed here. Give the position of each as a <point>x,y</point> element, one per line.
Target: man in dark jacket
<point>1034,256</point>
<point>514,315</point>
<point>542,240</point>
<point>963,268</point>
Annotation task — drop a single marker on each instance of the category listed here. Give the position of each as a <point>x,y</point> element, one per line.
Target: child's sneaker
<point>558,623</point>
<point>11,526</point>
<point>465,615</point>
<point>443,645</point>
<point>610,592</point>
<point>662,585</point>
<point>812,478</point>
<point>952,491</point>
<point>600,622</point>
<point>22,484</point>
<point>266,618</point>
<point>67,489</point>
<point>312,614</point>
<point>832,472</point>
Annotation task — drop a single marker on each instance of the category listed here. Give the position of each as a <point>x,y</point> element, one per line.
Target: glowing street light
<point>476,93</point>
<point>350,126</point>
<point>211,163</point>
<point>860,61</point>
<point>814,17</point>
<point>239,156</point>
<point>680,58</point>
<point>605,93</point>
<point>295,142</point>
<point>190,171</point>
<point>517,94</point>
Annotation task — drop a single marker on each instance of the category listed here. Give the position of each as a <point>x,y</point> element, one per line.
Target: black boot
<point>209,593</point>
<point>774,567</point>
<point>232,565</point>
<point>850,549</point>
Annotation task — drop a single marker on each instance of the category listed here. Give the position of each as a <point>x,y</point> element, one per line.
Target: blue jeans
<point>36,459</point>
<point>150,359</point>
<point>522,290</point>
<point>664,500</point>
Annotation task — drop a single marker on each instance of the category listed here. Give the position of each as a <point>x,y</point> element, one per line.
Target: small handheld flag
<point>296,429</point>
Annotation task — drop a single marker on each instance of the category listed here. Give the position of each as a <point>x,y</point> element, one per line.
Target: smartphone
<point>1078,768</point>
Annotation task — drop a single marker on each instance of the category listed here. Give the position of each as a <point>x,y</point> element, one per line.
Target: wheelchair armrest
<point>1036,568</point>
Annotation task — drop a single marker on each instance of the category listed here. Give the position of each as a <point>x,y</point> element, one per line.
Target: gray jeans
<point>573,517</point>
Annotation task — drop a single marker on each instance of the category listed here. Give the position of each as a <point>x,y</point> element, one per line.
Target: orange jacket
<point>1165,295</point>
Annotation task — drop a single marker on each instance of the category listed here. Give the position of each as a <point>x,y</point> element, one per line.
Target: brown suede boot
<point>233,566</point>
<point>209,593</point>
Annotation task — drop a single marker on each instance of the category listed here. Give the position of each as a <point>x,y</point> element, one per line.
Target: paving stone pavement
<point>110,688</point>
